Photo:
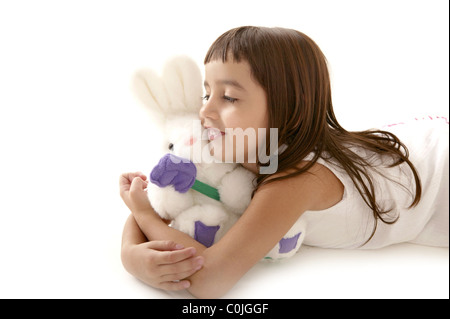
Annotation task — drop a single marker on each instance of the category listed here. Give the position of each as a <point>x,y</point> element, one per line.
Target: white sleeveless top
<point>349,223</point>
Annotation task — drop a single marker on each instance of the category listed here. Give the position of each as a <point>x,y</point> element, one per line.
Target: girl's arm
<point>271,213</point>
<point>161,264</point>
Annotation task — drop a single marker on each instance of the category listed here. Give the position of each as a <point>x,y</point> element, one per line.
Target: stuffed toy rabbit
<point>202,198</point>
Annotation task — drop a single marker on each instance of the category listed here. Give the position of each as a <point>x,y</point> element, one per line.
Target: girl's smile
<point>214,133</point>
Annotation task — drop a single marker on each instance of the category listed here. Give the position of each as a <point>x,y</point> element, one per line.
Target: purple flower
<point>176,171</point>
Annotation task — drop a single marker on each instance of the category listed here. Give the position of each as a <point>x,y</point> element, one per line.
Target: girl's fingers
<point>181,269</point>
<point>126,179</point>
<point>174,285</point>
<point>124,183</point>
<point>175,256</point>
<point>164,245</point>
<point>137,184</point>
<point>129,176</point>
<point>180,275</point>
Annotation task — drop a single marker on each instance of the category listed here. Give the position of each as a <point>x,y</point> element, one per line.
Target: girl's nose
<point>208,110</point>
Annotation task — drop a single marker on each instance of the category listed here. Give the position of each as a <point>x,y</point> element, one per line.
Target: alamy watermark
<point>234,145</point>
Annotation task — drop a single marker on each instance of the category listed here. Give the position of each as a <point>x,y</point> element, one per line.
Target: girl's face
<point>235,108</point>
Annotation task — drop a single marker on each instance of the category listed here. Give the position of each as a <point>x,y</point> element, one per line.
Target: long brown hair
<point>293,71</point>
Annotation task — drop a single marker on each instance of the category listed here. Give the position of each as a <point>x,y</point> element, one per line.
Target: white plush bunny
<point>203,198</point>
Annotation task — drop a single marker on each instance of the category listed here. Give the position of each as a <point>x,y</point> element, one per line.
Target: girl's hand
<point>133,190</point>
<point>161,264</point>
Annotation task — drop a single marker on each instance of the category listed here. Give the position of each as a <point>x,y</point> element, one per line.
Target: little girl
<point>365,189</point>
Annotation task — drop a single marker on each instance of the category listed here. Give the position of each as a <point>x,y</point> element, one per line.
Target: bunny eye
<point>171,146</point>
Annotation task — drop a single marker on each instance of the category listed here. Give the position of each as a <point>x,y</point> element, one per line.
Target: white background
<point>69,126</point>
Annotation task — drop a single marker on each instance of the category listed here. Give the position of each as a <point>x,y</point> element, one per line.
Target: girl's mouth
<point>214,133</point>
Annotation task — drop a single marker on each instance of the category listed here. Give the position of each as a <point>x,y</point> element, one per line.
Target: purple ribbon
<point>176,171</point>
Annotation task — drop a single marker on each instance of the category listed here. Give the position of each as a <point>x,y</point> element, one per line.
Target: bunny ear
<point>148,87</point>
<point>182,78</point>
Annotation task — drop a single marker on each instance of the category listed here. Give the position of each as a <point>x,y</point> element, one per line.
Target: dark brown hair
<point>293,72</point>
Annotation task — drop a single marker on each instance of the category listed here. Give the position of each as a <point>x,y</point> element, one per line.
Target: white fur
<point>299,226</point>
<point>174,100</point>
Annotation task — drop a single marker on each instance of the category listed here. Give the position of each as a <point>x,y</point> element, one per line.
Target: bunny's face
<point>174,101</point>
<point>186,138</point>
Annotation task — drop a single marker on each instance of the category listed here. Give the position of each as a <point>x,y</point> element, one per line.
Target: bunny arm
<point>236,189</point>
<point>168,202</point>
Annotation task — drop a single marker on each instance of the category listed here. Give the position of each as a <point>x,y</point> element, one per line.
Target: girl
<point>364,189</point>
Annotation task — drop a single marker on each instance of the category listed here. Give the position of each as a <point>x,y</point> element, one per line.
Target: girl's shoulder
<point>317,189</point>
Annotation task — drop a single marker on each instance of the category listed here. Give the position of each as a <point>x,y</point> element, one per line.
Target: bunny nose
<point>190,141</point>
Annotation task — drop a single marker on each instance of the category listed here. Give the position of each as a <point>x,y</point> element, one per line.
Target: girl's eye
<point>229,99</point>
<point>225,97</point>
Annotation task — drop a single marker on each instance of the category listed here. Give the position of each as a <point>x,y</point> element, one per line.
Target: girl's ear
<point>149,89</point>
<point>182,78</point>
